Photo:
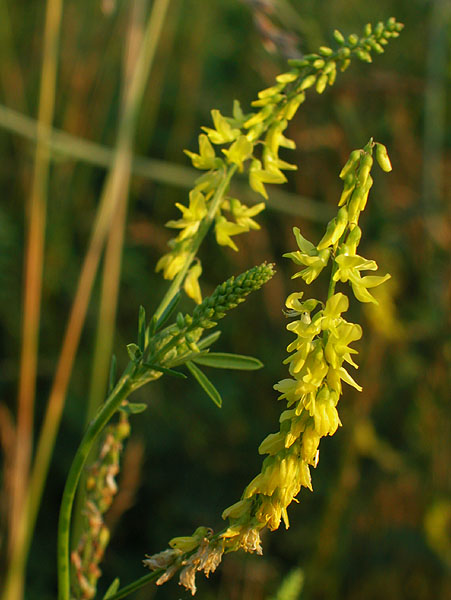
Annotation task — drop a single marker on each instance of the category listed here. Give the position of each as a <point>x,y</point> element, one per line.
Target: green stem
<point>120,393</point>
<point>137,584</point>
<point>197,240</point>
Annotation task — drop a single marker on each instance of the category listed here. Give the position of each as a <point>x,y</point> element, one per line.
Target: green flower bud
<point>338,36</point>
<point>326,51</point>
<point>383,158</point>
<point>307,82</point>
<point>352,161</point>
<point>321,83</point>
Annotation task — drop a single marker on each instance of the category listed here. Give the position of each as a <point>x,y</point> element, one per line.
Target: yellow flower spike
<point>191,284</point>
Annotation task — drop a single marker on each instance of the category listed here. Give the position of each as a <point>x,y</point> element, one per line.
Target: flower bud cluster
<point>241,135</point>
<point>101,488</point>
<point>181,338</point>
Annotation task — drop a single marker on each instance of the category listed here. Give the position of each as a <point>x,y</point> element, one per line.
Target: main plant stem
<point>201,233</point>
<point>117,396</point>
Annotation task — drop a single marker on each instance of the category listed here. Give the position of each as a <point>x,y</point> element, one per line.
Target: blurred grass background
<point>379,520</point>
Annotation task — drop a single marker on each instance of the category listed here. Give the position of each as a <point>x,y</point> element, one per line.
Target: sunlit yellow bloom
<point>239,151</point>
<point>331,317</point>
<point>206,159</point>
<point>223,131</point>
<point>192,215</point>
<point>337,347</point>
<point>171,263</point>
<point>259,176</point>
<point>243,214</point>
<point>224,230</point>
<point>349,270</point>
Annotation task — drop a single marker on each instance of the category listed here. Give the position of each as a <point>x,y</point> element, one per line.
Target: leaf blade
<point>205,383</point>
<point>224,360</point>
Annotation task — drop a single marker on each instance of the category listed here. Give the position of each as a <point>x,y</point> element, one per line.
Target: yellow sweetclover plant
<point>318,357</point>
<point>317,364</point>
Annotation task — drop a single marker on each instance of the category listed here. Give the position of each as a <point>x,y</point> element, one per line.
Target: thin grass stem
<point>33,269</point>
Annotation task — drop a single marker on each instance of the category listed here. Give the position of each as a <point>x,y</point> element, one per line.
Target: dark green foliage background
<point>361,534</point>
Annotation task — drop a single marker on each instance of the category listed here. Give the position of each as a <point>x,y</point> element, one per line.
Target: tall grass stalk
<point>113,188</point>
<point>33,269</point>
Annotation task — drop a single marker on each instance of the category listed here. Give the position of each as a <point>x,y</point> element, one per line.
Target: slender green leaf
<point>112,589</point>
<point>150,331</point>
<point>205,383</point>
<point>112,377</point>
<point>142,328</point>
<point>166,371</point>
<point>223,360</point>
<point>208,340</point>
